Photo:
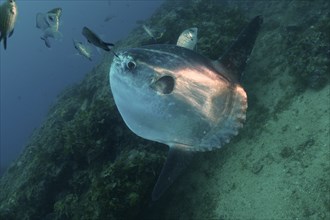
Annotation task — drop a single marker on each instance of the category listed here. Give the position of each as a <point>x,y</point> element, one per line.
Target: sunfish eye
<point>131,65</point>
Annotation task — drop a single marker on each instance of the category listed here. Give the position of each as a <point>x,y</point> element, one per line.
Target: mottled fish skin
<point>8,15</point>
<point>188,38</point>
<point>172,95</point>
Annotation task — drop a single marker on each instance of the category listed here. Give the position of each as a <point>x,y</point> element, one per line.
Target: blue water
<point>32,75</point>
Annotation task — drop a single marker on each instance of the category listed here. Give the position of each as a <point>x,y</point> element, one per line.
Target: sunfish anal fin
<point>177,160</point>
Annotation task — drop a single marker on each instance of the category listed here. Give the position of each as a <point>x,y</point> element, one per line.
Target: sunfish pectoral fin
<point>234,59</point>
<point>177,160</point>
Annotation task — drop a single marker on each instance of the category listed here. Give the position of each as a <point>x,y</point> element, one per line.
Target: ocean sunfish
<point>173,95</point>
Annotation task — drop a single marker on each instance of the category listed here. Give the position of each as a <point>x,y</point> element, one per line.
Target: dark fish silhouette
<point>95,40</point>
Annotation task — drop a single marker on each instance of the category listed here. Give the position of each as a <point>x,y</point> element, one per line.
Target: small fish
<point>83,49</point>
<point>188,38</point>
<point>49,23</point>
<point>173,95</point>
<point>148,31</point>
<point>109,17</point>
<point>95,40</point>
<point>8,15</point>
<point>155,34</point>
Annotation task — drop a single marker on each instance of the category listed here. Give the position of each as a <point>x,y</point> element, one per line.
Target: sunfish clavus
<point>173,95</point>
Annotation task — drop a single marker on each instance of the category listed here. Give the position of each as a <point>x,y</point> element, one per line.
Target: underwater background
<point>32,75</point>
<point>82,162</point>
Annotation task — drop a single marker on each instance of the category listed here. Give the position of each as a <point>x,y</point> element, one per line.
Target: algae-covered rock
<point>84,163</point>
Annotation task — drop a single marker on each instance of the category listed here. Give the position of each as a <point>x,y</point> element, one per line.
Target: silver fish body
<point>8,15</point>
<point>175,96</point>
<point>83,49</point>
<point>188,38</point>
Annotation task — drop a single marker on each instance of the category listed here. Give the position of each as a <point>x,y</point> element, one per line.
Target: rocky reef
<point>84,163</point>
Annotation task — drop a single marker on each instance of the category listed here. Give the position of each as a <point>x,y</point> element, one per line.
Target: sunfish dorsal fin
<point>177,160</point>
<point>234,59</point>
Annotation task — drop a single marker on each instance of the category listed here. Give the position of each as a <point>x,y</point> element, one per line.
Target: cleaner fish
<point>8,14</point>
<point>173,95</point>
